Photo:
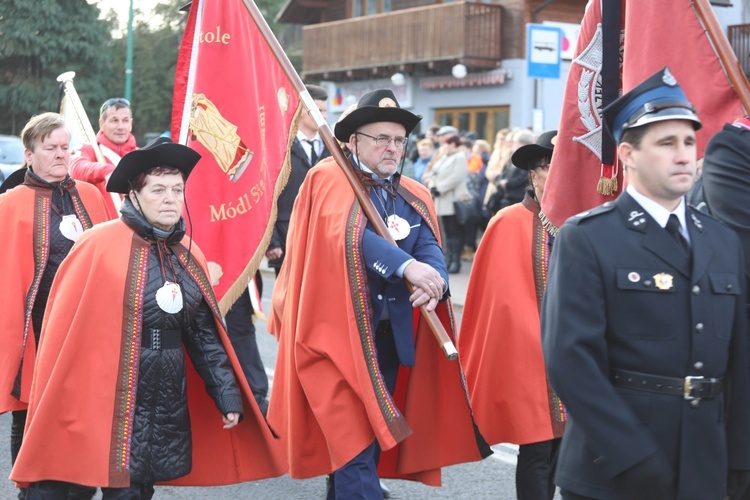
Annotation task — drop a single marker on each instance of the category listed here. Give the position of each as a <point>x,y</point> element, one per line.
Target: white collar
<point>658,212</point>
<point>302,137</point>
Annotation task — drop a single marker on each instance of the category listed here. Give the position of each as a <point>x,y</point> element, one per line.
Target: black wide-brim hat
<point>162,152</point>
<point>543,148</point>
<point>375,106</point>
<point>13,180</point>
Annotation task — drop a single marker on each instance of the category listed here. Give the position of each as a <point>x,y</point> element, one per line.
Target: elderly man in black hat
<point>135,380</point>
<point>643,323</point>
<point>357,370</point>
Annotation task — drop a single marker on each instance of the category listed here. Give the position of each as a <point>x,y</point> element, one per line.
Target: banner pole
<point>445,342</point>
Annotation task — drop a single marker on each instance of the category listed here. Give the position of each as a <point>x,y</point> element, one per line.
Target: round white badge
<point>71,227</point>
<point>398,227</point>
<point>169,298</point>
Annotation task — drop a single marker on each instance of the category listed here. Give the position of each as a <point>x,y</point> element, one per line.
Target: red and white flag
<point>653,35</point>
<point>233,104</point>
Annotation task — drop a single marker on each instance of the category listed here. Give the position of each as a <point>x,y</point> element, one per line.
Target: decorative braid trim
<point>540,260</point>
<point>42,220</point>
<point>360,293</point>
<point>127,373</point>
<point>80,210</point>
<point>199,277</point>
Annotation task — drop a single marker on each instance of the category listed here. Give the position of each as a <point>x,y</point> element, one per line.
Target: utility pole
<point>129,57</point>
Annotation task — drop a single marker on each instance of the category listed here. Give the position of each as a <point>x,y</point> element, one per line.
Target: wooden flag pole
<point>363,197</point>
<point>724,51</point>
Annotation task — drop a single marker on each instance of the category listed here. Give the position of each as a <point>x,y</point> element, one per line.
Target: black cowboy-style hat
<point>543,148</point>
<point>13,180</point>
<point>375,106</point>
<point>162,152</point>
<point>658,98</point>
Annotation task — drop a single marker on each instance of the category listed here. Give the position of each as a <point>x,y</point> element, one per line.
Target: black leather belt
<point>153,338</point>
<point>688,387</point>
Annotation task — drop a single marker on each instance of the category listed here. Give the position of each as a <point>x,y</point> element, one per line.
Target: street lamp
<point>459,71</point>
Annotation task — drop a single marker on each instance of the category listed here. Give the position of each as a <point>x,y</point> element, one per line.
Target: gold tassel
<point>607,186</point>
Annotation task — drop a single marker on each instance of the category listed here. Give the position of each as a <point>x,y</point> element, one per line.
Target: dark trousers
<point>59,490</point>
<point>17,425</point>
<point>358,479</point>
<point>454,239</point>
<point>241,331</point>
<point>535,472</point>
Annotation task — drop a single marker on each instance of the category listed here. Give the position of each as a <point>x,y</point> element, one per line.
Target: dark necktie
<point>673,227</point>
<point>313,154</point>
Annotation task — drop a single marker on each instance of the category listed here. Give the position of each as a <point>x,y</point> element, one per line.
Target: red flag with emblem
<point>655,34</point>
<point>235,106</point>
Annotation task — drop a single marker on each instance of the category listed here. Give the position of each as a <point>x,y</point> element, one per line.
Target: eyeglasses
<point>113,101</point>
<point>382,141</point>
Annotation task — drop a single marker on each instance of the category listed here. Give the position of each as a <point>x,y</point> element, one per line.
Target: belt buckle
<point>688,388</point>
<point>156,339</point>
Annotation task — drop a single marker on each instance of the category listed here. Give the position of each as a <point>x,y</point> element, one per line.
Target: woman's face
<point>425,151</point>
<point>161,200</point>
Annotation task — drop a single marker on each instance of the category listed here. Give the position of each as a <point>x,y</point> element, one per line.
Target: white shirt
<point>317,142</point>
<point>658,212</point>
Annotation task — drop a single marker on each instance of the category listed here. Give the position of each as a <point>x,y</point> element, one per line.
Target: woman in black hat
<point>133,299</point>
<point>500,345</point>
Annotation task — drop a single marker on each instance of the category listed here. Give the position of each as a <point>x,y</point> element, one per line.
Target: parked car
<point>11,155</point>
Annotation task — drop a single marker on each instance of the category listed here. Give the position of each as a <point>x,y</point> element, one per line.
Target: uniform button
<point>380,297</point>
<point>695,403</point>
<point>729,286</point>
<point>648,283</point>
<point>698,365</point>
<point>699,327</point>
<point>696,290</point>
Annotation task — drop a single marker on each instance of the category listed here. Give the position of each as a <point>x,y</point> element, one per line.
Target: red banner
<point>656,34</point>
<point>234,105</point>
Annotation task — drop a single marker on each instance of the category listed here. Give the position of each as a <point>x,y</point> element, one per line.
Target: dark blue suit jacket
<point>383,260</point>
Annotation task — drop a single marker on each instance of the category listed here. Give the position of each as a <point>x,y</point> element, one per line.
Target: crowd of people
<point>456,165</point>
<point>614,351</point>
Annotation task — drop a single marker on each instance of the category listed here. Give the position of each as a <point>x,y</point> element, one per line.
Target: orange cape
<point>500,340</point>
<point>85,380</point>
<point>25,215</point>
<point>329,400</point>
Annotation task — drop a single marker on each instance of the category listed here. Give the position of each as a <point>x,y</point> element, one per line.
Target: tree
<point>155,49</point>
<point>40,40</point>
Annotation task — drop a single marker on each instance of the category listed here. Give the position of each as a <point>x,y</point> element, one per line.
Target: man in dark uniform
<point>643,323</point>
<point>307,150</point>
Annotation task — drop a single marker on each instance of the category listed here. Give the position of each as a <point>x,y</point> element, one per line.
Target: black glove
<point>737,484</point>
<point>651,479</point>
<point>434,192</point>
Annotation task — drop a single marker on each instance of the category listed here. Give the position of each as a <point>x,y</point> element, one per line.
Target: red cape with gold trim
<point>86,377</point>
<point>329,401</point>
<point>24,212</point>
<point>500,339</point>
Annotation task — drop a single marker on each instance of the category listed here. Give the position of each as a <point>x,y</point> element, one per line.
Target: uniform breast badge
<point>663,281</point>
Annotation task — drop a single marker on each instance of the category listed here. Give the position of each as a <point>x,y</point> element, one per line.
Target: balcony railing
<point>447,33</point>
<point>739,39</point>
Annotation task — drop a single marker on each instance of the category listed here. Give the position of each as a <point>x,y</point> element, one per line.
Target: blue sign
<point>543,51</point>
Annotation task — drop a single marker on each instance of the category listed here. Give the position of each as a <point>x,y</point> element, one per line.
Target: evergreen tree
<point>40,40</point>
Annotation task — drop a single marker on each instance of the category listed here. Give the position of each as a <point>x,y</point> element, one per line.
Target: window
<point>485,122</point>
<point>370,7</point>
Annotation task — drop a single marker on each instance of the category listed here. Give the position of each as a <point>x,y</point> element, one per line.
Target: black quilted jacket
<point>161,447</point>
